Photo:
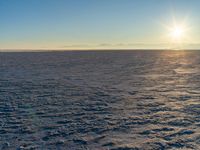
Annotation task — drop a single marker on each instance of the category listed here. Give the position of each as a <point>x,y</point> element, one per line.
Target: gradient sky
<point>95,24</point>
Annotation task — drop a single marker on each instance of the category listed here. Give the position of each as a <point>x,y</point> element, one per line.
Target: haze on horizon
<point>102,24</point>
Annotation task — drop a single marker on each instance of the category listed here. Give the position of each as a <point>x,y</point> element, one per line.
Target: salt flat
<point>100,100</point>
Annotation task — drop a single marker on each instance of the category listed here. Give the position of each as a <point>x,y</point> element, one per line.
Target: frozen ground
<point>125,100</point>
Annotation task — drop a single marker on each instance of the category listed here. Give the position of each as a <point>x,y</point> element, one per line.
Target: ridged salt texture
<point>100,100</point>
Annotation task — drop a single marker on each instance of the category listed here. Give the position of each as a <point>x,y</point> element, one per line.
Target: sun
<point>177,33</point>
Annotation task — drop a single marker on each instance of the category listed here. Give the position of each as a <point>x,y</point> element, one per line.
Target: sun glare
<point>177,33</point>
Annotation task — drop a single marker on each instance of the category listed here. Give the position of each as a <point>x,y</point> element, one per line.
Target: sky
<point>98,24</point>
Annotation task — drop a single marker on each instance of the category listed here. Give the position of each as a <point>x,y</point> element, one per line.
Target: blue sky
<point>95,24</point>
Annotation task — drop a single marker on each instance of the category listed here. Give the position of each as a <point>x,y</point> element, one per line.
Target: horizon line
<point>125,49</point>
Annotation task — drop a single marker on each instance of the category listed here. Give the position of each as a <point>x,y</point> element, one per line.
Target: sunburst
<point>177,33</point>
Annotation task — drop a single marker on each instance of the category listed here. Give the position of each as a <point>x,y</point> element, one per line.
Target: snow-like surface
<point>100,100</point>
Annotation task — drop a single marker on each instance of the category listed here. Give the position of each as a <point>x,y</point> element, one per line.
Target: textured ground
<point>100,100</point>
